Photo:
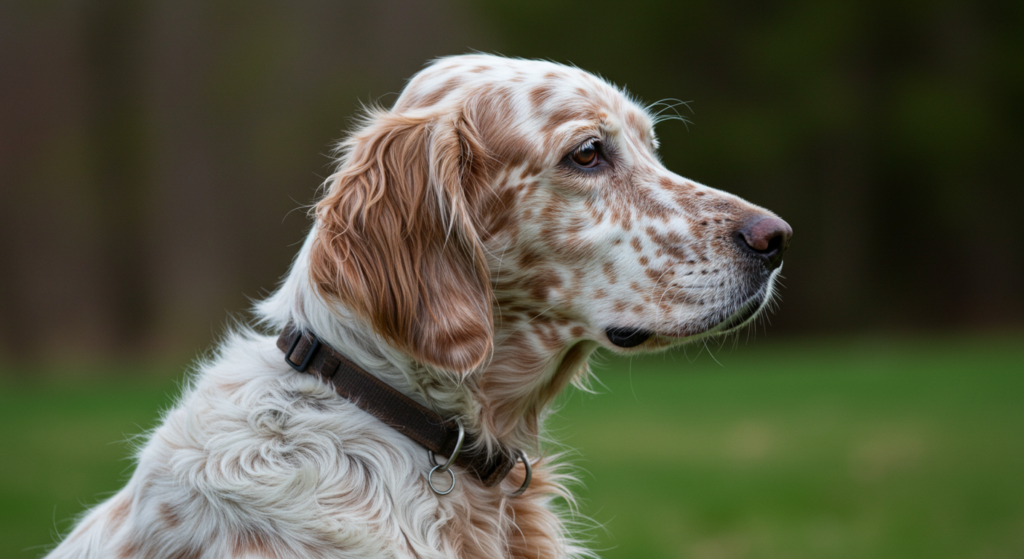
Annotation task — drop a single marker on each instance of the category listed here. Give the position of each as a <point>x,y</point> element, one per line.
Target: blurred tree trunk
<point>151,151</point>
<point>115,49</point>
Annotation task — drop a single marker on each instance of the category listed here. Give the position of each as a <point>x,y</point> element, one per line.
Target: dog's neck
<point>503,404</point>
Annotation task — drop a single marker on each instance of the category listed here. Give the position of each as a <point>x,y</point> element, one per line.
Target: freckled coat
<point>464,255</point>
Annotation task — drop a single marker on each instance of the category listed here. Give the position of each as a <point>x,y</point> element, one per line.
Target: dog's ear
<point>398,243</point>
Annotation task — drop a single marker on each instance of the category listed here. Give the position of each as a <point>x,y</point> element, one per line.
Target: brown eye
<point>585,155</point>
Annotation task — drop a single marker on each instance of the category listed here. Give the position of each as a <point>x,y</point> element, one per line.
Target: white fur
<point>257,460</point>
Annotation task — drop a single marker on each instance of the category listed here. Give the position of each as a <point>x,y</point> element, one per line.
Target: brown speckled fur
<point>464,255</point>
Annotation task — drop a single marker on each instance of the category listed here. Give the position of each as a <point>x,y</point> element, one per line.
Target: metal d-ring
<point>529,475</point>
<point>430,481</point>
<point>455,453</point>
<point>446,467</point>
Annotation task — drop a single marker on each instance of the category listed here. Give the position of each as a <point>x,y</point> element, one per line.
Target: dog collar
<point>304,352</point>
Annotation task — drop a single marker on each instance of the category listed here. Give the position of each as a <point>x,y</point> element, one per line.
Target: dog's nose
<point>765,238</point>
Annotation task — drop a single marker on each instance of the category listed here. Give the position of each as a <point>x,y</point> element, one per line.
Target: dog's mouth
<point>629,337</point>
<point>626,337</point>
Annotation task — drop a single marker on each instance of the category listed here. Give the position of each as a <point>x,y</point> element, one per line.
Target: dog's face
<point>586,223</point>
<point>543,186</point>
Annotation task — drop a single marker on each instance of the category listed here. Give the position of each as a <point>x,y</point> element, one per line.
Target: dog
<point>477,242</point>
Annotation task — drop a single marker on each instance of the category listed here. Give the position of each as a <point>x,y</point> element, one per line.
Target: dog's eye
<point>586,155</point>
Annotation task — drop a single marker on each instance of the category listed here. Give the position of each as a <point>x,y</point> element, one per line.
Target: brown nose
<point>765,238</point>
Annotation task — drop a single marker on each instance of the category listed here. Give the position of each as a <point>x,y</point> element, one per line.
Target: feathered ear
<point>397,241</point>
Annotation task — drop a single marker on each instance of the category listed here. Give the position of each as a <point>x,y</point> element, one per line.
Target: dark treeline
<point>156,157</point>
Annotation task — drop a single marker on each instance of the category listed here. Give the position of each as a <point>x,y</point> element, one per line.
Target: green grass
<point>870,448</point>
<point>64,437</point>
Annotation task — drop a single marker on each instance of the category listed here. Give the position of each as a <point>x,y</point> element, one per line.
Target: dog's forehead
<point>541,91</point>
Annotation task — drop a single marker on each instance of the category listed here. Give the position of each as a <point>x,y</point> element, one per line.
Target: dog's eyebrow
<point>601,125</point>
<point>580,134</point>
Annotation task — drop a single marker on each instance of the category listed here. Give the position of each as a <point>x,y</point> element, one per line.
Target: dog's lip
<point>630,337</point>
<point>739,318</point>
<point>750,308</point>
<point>627,337</point>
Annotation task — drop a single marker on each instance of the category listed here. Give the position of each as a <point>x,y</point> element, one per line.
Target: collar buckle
<point>314,345</point>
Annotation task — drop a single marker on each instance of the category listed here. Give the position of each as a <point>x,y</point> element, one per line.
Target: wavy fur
<point>461,254</point>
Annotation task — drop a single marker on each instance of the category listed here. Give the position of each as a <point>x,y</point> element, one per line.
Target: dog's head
<point>519,201</point>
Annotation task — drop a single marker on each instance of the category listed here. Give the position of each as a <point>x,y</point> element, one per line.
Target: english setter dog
<point>477,243</point>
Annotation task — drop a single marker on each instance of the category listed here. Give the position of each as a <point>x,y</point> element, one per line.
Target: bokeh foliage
<point>156,156</point>
<point>884,132</point>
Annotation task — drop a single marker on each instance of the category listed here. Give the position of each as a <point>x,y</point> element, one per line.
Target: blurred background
<point>156,157</point>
